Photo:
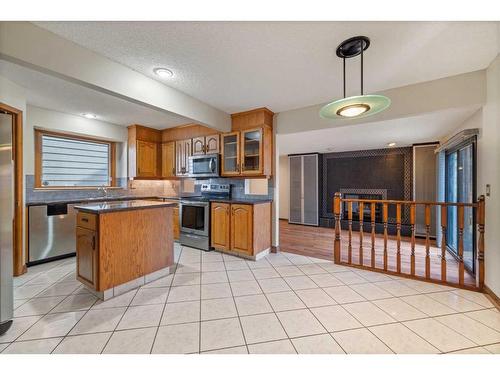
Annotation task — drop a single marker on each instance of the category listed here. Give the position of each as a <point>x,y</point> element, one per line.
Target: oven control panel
<point>216,188</point>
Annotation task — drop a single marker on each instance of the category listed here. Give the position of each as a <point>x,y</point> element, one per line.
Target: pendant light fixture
<point>354,106</point>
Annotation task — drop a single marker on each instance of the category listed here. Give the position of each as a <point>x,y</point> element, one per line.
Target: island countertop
<point>103,207</point>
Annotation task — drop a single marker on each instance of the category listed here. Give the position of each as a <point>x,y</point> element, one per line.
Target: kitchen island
<point>123,245</point>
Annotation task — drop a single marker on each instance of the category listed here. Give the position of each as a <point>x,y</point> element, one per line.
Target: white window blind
<point>74,162</point>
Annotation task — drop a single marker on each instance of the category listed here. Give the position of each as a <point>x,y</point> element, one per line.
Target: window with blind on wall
<point>68,161</point>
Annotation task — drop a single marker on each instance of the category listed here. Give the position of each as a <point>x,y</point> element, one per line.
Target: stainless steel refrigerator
<point>6,222</point>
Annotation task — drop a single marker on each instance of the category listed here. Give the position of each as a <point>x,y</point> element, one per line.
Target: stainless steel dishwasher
<point>51,233</point>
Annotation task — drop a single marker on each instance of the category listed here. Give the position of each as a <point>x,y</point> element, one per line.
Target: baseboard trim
<point>493,297</point>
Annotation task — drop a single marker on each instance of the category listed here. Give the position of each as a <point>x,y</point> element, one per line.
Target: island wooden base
<point>121,250</point>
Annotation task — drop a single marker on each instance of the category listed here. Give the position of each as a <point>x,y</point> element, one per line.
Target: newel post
<point>336,214</point>
<point>480,242</point>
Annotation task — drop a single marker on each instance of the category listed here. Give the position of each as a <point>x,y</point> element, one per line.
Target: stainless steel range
<point>194,215</point>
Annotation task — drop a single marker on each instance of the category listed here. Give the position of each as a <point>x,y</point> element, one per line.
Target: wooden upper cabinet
<point>242,228</point>
<point>144,155</point>
<point>230,153</point>
<point>220,233</point>
<point>212,144</point>
<point>147,159</point>
<point>252,151</point>
<point>247,153</point>
<point>183,151</point>
<point>199,146</point>
<point>206,145</point>
<point>168,159</point>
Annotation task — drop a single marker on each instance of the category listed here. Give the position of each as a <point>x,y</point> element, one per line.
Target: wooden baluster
<point>361,217</point>
<point>349,246</point>
<point>384,219</point>
<point>480,243</point>
<point>398,237</point>
<point>372,216</point>
<point>444,224</point>
<point>427,241</point>
<point>336,213</point>
<point>412,226</point>
<point>460,220</point>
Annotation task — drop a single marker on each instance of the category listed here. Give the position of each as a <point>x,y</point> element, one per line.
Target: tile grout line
<point>65,297</point>
<point>235,305</point>
<point>166,299</point>
<point>274,311</point>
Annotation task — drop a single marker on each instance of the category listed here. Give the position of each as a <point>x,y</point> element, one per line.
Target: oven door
<point>194,217</point>
<point>204,166</point>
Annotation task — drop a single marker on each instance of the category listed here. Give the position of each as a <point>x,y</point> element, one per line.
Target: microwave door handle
<point>212,165</point>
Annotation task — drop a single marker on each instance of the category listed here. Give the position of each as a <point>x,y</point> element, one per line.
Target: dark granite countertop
<point>240,200</point>
<point>165,199</point>
<point>104,207</point>
<point>91,200</point>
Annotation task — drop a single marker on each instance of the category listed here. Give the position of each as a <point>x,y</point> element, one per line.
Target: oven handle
<point>212,165</point>
<point>194,204</point>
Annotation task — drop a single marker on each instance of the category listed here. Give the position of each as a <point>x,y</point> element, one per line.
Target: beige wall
<point>22,41</point>
<point>461,91</point>
<point>62,122</point>
<point>488,158</point>
<point>284,189</point>
<point>488,173</point>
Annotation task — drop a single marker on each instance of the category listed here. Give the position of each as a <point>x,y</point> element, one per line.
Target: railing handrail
<point>391,201</point>
<point>479,212</point>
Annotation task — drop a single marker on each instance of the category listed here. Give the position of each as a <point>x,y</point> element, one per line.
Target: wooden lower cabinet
<point>177,229</point>
<point>241,228</point>
<point>123,245</point>
<point>220,213</point>
<point>87,256</point>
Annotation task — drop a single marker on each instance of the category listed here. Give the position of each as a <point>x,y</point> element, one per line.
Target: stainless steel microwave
<point>204,165</point>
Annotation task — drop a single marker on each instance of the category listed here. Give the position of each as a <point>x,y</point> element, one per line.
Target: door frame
<point>473,142</point>
<point>19,265</point>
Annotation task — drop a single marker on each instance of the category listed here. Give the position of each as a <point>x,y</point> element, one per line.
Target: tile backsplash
<point>237,187</point>
<point>126,188</point>
<point>142,188</point>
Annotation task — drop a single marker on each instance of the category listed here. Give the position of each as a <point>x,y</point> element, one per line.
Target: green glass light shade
<point>354,107</point>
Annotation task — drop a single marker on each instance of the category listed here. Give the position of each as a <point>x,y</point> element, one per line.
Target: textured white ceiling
<point>49,92</point>
<point>404,131</point>
<point>236,66</point>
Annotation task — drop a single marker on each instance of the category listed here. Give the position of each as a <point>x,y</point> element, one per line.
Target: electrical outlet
<point>488,190</point>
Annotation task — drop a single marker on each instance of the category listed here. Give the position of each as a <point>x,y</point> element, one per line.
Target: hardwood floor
<point>318,242</point>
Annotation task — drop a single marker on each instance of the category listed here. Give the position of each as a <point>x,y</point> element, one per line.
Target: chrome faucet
<point>104,191</point>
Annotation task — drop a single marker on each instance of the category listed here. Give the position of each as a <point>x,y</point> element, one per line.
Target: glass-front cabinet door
<point>251,145</point>
<point>231,154</point>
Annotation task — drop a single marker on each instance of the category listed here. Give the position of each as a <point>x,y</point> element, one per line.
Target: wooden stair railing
<point>443,273</point>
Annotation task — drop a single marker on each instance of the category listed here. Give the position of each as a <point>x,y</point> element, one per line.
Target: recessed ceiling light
<point>392,144</point>
<point>163,72</point>
<point>89,116</point>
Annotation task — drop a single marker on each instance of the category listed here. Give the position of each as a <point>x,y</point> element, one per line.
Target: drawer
<point>86,220</point>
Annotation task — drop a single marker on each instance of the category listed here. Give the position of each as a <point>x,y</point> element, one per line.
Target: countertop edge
<point>116,209</point>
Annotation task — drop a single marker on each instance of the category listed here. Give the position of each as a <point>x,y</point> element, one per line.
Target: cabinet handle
<point>85,220</point>
<point>93,242</point>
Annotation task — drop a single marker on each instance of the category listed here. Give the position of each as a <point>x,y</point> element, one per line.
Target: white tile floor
<point>284,303</point>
